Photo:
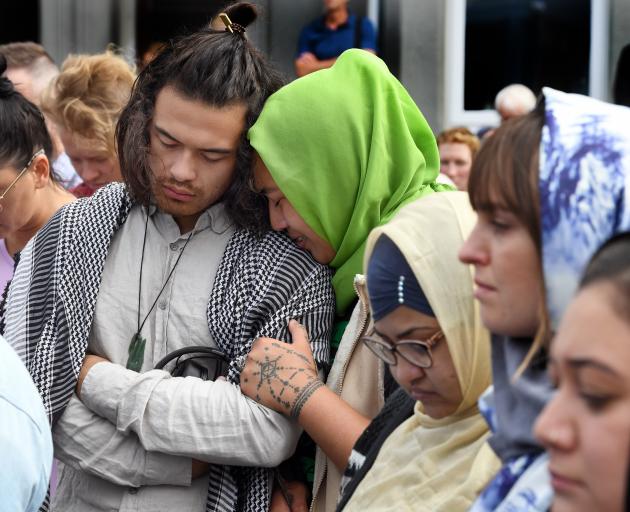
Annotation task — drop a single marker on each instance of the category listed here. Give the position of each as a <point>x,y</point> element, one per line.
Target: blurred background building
<point>452,55</point>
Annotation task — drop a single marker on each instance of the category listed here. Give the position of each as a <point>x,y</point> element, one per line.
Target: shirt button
<point>174,246</point>
<point>162,305</point>
<point>133,490</point>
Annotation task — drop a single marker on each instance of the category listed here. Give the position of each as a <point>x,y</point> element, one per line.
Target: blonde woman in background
<point>458,147</point>
<point>84,101</point>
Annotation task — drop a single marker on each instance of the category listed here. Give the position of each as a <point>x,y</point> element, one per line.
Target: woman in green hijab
<point>339,152</point>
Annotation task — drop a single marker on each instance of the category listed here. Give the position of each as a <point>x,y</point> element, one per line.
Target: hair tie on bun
<point>233,28</point>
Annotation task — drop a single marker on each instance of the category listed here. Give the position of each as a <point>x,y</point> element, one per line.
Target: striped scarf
<point>260,282</point>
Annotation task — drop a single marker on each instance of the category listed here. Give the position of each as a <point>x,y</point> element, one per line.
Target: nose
<point>474,252</point>
<point>87,171</point>
<point>182,168</point>
<point>554,428</point>
<point>449,168</point>
<point>276,218</point>
<point>405,373</point>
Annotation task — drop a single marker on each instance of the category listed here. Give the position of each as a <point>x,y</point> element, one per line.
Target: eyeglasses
<point>20,174</point>
<point>416,352</point>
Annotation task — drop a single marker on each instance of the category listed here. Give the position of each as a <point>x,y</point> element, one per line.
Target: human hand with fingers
<point>280,375</point>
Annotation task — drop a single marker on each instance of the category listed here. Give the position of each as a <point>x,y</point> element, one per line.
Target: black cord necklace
<point>138,342</point>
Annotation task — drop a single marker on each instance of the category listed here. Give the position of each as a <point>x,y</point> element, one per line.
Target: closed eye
<point>168,144</point>
<point>212,160</point>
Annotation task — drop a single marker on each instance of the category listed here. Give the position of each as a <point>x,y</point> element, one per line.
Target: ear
<point>41,171</point>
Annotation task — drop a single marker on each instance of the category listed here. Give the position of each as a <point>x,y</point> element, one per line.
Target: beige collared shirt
<point>107,465</point>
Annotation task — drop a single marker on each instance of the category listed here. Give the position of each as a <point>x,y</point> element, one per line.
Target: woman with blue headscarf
<point>549,188</point>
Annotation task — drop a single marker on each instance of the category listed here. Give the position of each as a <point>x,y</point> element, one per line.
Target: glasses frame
<point>392,348</point>
<point>20,174</point>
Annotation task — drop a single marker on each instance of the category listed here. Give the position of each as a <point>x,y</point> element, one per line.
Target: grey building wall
<point>421,26</point>
<point>86,26</point>
<point>619,31</point>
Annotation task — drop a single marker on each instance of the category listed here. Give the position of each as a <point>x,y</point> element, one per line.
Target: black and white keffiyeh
<point>261,282</point>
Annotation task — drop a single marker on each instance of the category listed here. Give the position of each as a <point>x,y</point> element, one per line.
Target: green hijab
<point>348,148</point>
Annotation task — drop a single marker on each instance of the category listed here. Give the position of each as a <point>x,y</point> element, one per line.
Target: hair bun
<point>242,13</point>
<point>6,86</point>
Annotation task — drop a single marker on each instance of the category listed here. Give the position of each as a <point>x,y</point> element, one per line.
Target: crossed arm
<point>87,442</point>
<point>307,62</point>
<point>210,421</point>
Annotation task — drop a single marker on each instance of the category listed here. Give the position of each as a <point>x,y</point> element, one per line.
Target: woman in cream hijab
<point>430,455</point>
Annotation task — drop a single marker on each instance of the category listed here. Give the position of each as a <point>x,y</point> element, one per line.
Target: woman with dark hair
<point>585,428</point>
<point>548,188</point>
<point>29,194</point>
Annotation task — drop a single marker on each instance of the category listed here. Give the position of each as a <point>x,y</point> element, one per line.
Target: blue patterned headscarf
<point>584,187</point>
<point>584,184</point>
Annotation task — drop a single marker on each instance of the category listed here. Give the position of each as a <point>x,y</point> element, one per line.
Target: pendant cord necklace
<point>138,342</point>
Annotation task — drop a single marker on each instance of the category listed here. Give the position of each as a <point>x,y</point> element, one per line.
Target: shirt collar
<point>214,218</point>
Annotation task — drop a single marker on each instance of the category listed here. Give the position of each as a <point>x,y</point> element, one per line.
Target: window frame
<point>455,53</point>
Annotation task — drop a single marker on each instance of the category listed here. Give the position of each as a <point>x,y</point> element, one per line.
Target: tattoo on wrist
<point>280,379</point>
<point>303,396</point>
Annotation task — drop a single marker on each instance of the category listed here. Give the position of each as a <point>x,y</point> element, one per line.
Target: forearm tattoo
<point>303,397</point>
<point>288,385</point>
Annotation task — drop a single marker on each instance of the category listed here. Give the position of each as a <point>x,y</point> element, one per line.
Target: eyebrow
<point>407,332</point>
<point>579,364</point>
<point>222,151</point>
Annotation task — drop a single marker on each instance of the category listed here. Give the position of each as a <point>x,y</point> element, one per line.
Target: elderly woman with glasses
<point>29,194</point>
<point>427,448</point>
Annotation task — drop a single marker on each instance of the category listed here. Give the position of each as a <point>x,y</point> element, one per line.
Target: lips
<point>482,290</point>
<point>177,194</point>
<point>94,186</point>
<point>562,483</point>
<point>483,285</point>
<point>299,240</point>
<point>422,395</point>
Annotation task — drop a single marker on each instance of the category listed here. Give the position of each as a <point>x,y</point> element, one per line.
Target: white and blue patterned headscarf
<point>584,183</point>
<point>584,187</point>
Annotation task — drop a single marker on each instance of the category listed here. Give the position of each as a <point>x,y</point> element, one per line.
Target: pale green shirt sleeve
<point>90,443</point>
<point>210,421</point>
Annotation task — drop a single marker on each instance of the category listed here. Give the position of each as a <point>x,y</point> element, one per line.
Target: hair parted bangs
<point>505,175</point>
<point>505,172</point>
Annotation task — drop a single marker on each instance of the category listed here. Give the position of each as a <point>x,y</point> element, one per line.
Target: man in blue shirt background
<point>324,39</point>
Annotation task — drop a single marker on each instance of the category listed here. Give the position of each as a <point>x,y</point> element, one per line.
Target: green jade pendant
<point>136,352</point>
